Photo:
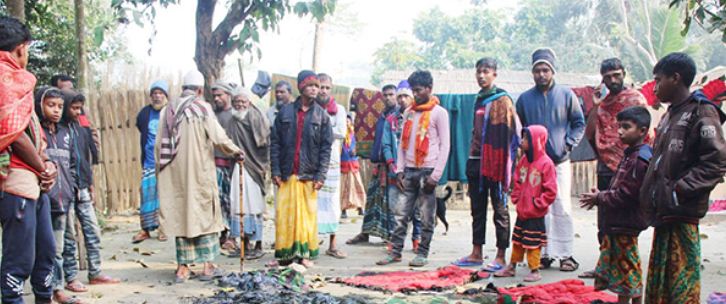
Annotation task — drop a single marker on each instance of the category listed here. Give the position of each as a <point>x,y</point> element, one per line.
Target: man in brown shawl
<point>251,131</point>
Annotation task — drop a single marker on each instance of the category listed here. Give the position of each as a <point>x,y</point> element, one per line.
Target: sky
<point>348,48</point>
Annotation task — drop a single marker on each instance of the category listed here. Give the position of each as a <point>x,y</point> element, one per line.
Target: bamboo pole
<point>241,219</point>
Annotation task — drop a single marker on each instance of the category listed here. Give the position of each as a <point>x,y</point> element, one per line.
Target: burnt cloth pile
<point>409,281</point>
<point>273,286</point>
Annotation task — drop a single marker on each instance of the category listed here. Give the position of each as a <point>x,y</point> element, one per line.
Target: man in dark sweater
<point>557,108</point>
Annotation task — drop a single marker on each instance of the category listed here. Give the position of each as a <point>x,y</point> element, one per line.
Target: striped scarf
<point>190,106</point>
<point>422,134</point>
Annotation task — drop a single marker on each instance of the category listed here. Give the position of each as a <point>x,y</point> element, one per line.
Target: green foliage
<point>582,33</point>
<point>709,14</point>
<point>52,24</point>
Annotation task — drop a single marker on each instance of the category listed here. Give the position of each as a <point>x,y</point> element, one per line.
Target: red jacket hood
<point>537,135</point>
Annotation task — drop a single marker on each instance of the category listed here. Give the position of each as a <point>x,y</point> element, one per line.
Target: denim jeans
<point>393,196</point>
<point>412,197</point>
<point>28,247</point>
<point>85,212</point>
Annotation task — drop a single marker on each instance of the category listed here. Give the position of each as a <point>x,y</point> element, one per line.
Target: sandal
<point>569,264</point>
<point>493,267</point>
<point>418,261</point>
<point>466,262</point>
<point>590,274</point>
<point>254,254</point>
<point>103,280</point>
<point>67,300</point>
<point>76,286</point>
<point>162,237</point>
<point>546,262</point>
<point>505,273</point>
<point>360,238</point>
<point>140,237</point>
<point>336,253</point>
<point>216,273</point>
<point>533,277</point>
<point>389,259</point>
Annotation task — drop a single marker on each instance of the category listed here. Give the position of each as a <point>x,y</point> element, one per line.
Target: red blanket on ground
<point>406,281</point>
<point>562,292</point>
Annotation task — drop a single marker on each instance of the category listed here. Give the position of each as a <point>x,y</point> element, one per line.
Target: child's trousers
<point>533,256</point>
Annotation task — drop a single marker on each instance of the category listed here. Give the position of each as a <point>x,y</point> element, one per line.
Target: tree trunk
<point>208,56</point>
<point>317,46</point>
<point>81,45</point>
<point>16,8</point>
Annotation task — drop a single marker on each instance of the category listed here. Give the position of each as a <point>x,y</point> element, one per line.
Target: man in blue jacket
<point>557,108</point>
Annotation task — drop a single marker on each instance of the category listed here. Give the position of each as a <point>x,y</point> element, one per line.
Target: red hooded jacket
<point>535,184</point>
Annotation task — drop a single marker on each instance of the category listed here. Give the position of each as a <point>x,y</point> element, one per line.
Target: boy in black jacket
<point>618,268</point>
<point>86,154</point>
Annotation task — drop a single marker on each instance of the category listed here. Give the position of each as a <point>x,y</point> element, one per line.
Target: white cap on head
<point>193,78</point>
<point>242,91</point>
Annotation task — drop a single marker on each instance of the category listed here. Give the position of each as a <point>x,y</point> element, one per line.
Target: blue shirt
<point>151,140</point>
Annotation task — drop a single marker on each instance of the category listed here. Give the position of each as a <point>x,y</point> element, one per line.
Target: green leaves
<point>709,14</point>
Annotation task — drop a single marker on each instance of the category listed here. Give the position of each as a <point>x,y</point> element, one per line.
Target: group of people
<point>206,167</point>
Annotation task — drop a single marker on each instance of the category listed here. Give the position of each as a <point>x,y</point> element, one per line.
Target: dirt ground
<point>147,269</point>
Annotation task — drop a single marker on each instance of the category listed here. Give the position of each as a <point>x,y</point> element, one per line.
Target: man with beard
<point>222,92</point>
<point>283,95</point>
<point>602,127</point>
<point>147,122</point>
<point>556,107</point>
<point>251,132</point>
<point>329,197</point>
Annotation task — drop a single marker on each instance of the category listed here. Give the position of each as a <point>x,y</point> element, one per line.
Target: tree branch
<point>238,12</point>
<point>648,27</point>
<point>629,37</point>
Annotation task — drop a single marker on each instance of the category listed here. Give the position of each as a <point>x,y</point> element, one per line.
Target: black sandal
<point>569,264</point>
<point>546,262</point>
<point>360,238</point>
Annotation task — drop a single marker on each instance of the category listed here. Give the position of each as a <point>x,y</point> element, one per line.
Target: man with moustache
<point>602,127</point>
<point>557,108</point>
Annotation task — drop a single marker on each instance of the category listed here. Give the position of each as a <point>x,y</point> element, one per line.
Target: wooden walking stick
<point>241,219</point>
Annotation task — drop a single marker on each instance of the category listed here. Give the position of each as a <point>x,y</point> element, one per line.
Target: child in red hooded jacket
<point>535,189</point>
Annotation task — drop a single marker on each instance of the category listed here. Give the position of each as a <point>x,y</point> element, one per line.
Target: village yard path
<point>147,269</point>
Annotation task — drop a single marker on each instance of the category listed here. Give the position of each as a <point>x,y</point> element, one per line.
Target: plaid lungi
<point>149,209</point>
<point>201,249</point>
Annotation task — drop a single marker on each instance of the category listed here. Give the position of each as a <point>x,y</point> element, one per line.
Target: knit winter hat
<point>306,78</point>
<point>544,55</point>
<point>160,85</point>
<point>404,88</point>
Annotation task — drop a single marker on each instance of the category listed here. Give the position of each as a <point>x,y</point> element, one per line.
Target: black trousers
<point>28,248</point>
<point>481,192</point>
